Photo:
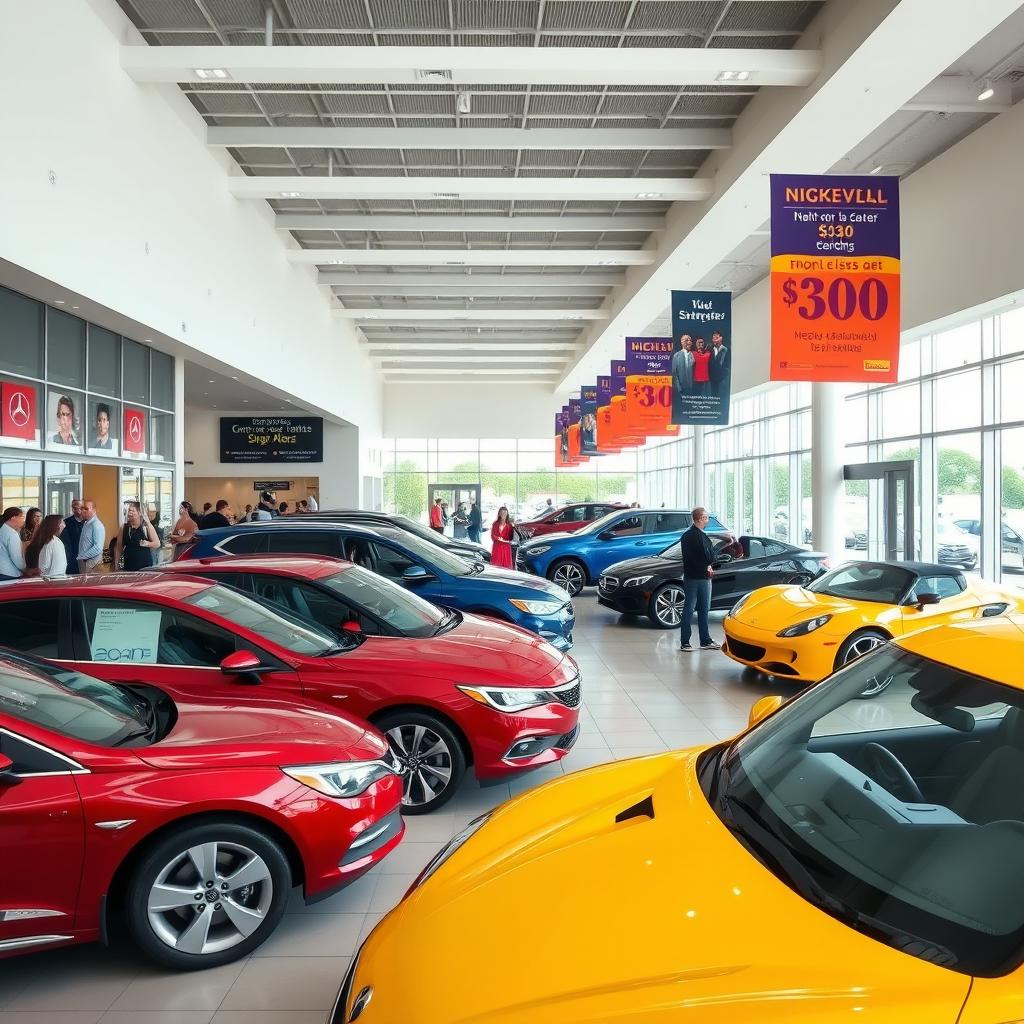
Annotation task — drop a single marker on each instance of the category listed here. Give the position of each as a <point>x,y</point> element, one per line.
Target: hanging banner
<point>605,431</point>
<point>562,438</point>
<point>649,386</point>
<point>835,278</point>
<point>134,424</point>
<point>576,456</point>
<point>588,419</point>
<point>702,356</point>
<point>619,408</point>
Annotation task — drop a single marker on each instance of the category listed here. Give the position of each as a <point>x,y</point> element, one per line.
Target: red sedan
<point>185,822</point>
<point>568,518</point>
<point>449,689</point>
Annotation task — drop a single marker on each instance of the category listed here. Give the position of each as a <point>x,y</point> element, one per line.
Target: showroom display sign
<point>620,411</point>
<point>702,357</point>
<point>605,430</point>
<point>835,278</point>
<point>649,387</point>
<point>19,414</point>
<point>576,455</point>
<point>271,439</point>
<point>272,485</point>
<point>562,438</point>
<point>588,419</point>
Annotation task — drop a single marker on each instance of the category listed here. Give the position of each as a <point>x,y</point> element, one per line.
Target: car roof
<point>307,566</point>
<point>111,584</point>
<point>220,531</point>
<point>993,647</point>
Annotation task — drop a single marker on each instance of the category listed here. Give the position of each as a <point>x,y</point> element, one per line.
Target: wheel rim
<point>861,646</point>
<point>427,760</point>
<point>668,606</point>
<point>210,897</point>
<point>569,576</point>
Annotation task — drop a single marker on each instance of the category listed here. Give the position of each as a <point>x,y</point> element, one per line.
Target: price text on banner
<point>835,278</point>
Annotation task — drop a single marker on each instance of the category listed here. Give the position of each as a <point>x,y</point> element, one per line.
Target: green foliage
<point>1013,488</point>
<point>406,489</point>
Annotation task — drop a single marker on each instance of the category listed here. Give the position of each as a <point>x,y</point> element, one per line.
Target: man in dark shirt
<point>72,532</point>
<point>698,558</point>
<point>475,522</point>
<point>219,517</point>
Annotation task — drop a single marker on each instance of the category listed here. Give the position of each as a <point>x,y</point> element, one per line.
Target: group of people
<point>699,368</point>
<point>266,509</point>
<point>32,544</point>
<point>467,521</point>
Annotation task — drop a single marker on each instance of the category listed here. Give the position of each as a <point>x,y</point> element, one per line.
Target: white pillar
<point>827,458</point>
<point>179,433</point>
<point>698,497</point>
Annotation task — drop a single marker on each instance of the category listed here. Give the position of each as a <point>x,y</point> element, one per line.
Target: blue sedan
<point>576,560</point>
<point>428,570</point>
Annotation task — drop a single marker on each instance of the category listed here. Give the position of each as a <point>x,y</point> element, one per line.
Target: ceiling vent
<point>433,75</point>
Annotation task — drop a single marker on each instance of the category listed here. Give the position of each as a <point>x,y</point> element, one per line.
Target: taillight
<point>184,550</point>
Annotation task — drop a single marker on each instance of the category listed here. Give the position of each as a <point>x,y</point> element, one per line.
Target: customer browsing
<point>698,559</point>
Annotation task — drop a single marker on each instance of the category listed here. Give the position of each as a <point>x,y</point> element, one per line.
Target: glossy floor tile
<point>641,694</point>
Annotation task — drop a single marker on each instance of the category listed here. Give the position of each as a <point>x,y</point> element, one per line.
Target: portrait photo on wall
<point>64,411</point>
<point>701,357</point>
<point>102,428</point>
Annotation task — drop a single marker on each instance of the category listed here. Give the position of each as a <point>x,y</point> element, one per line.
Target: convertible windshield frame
<point>820,585</point>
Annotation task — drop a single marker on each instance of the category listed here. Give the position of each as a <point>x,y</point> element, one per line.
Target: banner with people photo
<point>649,387</point>
<point>576,455</point>
<point>835,278</point>
<point>562,437</point>
<point>588,419</point>
<point>701,357</point>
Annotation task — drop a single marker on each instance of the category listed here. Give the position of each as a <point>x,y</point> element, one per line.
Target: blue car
<point>576,560</point>
<point>428,570</point>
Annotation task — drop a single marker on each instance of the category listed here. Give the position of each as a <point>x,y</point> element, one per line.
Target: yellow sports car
<point>839,862</point>
<point>805,633</point>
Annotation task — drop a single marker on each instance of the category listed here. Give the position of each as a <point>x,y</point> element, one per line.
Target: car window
<point>381,558</point>
<point>309,602</point>
<point>715,525</point>
<point>755,548</point>
<point>570,515</point>
<point>774,548</point>
<point>247,543</point>
<point>865,581</point>
<point>944,586</point>
<point>632,526</point>
<point>304,542</point>
<point>31,627</point>
<point>403,612</point>
<point>669,522</point>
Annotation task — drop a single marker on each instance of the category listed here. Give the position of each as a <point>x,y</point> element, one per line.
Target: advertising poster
<point>605,430</point>
<point>64,410</point>
<point>134,442</point>
<point>576,455</point>
<point>835,278</point>
<point>101,429</point>
<point>271,439</point>
<point>619,411</point>
<point>19,414</point>
<point>562,438</point>
<point>649,386</point>
<point>701,356</point>
<point>588,419</point>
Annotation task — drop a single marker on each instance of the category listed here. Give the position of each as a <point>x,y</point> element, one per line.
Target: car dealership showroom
<point>489,532</point>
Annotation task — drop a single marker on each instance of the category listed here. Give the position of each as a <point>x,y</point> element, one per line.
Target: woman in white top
<point>46,554</point>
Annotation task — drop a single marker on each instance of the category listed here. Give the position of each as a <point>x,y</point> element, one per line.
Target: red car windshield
<point>406,613</point>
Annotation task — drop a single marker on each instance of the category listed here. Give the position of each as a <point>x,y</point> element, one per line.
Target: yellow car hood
<point>782,606</point>
<point>555,912</point>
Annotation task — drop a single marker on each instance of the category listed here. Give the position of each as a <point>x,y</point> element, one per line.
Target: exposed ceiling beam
<point>245,186</point>
<point>958,94</point>
<point>440,313</point>
<point>473,257</point>
<point>463,223</point>
<point>493,358</point>
<point>471,65</point>
<point>416,351</point>
<point>459,339</point>
<point>490,280</point>
<point>507,370</point>
<point>455,291</point>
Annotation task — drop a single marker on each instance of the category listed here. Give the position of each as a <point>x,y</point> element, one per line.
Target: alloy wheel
<point>569,576</point>
<point>427,761</point>
<point>861,646</point>
<point>210,897</point>
<point>668,606</point>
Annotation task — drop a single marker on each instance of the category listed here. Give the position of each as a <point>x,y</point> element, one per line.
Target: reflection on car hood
<point>660,919</point>
<point>781,606</point>
<point>265,734</point>
<point>647,564</point>
<point>523,579</point>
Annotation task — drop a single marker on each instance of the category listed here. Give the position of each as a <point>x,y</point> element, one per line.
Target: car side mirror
<point>243,664</point>
<point>416,574</point>
<point>7,776</point>
<point>351,626</point>
<point>606,535</point>
<point>762,709</point>
<point>925,599</point>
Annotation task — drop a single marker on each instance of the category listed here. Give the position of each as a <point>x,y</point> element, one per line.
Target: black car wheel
<point>857,646</point>
<point>666,607</point>
<point>568,574</point>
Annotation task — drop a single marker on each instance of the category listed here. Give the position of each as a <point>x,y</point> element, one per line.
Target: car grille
<point>566,741</point>
<point>570,697</point>
<point>748,652</point>
<point>955,552</point>
<point>608,584</point>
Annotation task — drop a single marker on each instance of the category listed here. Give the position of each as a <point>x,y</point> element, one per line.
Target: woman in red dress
<point>501,537</point>
<point>701,367</point>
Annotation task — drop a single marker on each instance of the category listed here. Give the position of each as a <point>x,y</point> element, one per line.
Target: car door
<point>737,577</point>
<point>37,626</point>
<point>956,604</point>
<point>43,838</point>
<point>134,641</point>
<point>661,528</point>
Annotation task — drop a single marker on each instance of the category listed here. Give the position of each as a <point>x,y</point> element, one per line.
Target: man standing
<point>475,522</point>
<point>219,517</point>
<point>311,503</point>
<point>90,544</point>
<point>720,365</point>
<point>437,517</point>
<point>682,376</point>
<point>12,561</point>
<point>698,558</point>
<point>72,532</point>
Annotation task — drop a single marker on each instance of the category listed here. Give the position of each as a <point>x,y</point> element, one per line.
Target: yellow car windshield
<point>866,581</point>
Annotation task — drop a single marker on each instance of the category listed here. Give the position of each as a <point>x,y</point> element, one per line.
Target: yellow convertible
<point>839,862</point>
<point>805,633</point>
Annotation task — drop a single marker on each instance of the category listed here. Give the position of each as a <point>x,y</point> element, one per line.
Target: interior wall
<point>239,491</point>
<point>100,483</point>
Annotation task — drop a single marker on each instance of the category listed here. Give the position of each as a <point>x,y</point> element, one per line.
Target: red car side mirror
<point>244,664</point>
<point>7,776</point>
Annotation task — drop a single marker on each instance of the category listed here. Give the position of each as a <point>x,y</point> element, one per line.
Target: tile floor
<point>640,695</point>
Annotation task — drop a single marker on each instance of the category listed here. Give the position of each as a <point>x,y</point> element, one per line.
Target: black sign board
<point>271,485</point>
<point>271,439</point>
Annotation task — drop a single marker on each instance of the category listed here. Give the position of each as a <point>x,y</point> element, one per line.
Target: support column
<point>179,432</point>
<point>827,458</point>
<point>697,487</point>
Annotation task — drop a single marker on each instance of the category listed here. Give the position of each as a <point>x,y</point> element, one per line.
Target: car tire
<point>411,735</point>
<point>666,607</point>
<point>568,574</point>
<point>857,645</point>
<point>234,921</point>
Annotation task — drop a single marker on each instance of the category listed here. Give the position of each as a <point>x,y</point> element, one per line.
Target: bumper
<point>340,840</point>
<point>625,600</point>
<point>803,659</point>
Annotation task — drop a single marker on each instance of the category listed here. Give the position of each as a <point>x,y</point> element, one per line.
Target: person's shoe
<point>686,647</point>
<point>709,646</point>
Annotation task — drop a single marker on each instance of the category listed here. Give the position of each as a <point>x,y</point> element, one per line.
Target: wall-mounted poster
<point>702,356</point>
<point>835,278</point>
<point>19,414</point>
<point>64,412</point>
<point>272,439</point>
<point>134,437</point>
<point>588,419</point>
<point>101,434</point>
<point>649,386</point>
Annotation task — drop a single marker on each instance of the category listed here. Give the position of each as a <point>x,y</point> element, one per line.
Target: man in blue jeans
<point>698,558</point>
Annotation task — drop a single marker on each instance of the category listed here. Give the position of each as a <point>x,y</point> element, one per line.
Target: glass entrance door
<point>879,510</point>
<point>455,496</point>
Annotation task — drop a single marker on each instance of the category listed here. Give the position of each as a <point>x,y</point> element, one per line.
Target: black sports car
<point>653,586</point>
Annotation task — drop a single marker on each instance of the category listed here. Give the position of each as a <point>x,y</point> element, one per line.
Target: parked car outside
<point>185,821</point>
<point>567,518</point>
<point>841,861</point>
<point>1011,537</point>
<point>652,586</point>
<point>955,546</point>
<point>576,560</point>
<point>425,569</point>
<point>450,691</point>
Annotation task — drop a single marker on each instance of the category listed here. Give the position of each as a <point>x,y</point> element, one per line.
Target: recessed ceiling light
<point>433,75</point>
<point>877,169</point>
<point>648,195</point>
<point>607,263</point>
<point>207,73</point>
<point>987,90</point>
<point>291,195</point>
<point>210,382</point>
<point>733,76</point>
<point>205,394</point>
<point>245,400</point>
<point>59,302</point>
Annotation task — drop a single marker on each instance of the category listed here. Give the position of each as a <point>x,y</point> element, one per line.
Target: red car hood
<point>268,734</point>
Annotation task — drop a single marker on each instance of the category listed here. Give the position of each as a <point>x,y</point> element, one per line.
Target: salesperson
<point>698,559</point>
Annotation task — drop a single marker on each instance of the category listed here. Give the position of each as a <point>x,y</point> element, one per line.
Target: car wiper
<point>353,640</point>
